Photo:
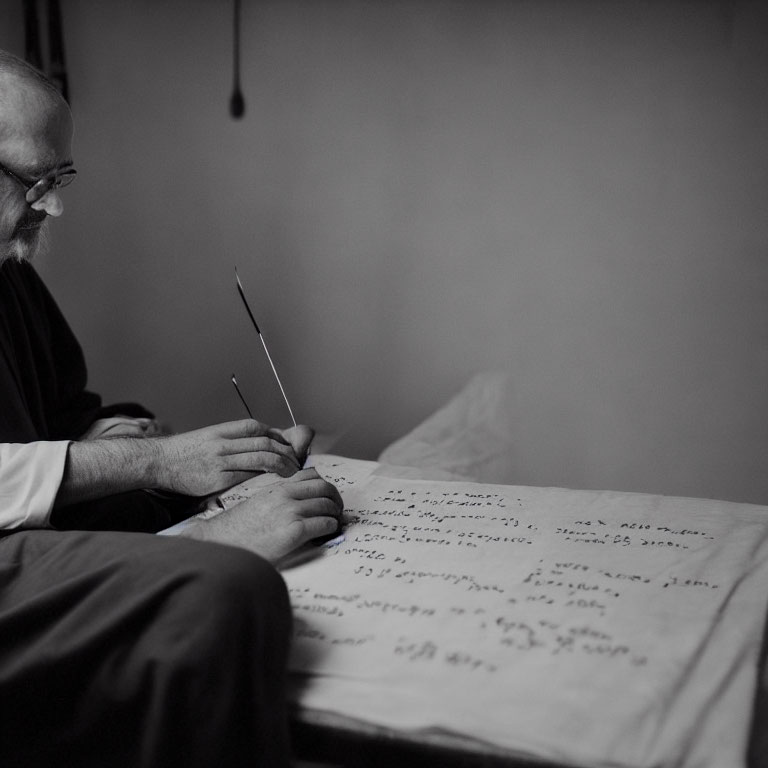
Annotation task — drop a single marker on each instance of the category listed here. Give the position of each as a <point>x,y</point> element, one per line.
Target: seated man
<point>118,647</point>
<point>44,397</point>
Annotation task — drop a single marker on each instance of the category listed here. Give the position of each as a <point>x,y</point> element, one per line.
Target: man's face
<point>35,139</point>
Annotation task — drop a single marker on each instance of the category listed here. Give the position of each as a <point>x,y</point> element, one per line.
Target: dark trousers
<point>128,649</point>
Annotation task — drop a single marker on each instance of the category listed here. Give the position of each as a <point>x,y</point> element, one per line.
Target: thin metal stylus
<point>240,395</point>
<point>263,344</point>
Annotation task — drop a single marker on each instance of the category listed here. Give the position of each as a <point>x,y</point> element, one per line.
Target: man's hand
<point>214,458</point>
<point>194,463</point>
<point>278,518</point>
<point>299,437</point>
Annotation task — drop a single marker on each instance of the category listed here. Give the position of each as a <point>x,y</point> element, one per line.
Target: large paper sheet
<point>590,628</point>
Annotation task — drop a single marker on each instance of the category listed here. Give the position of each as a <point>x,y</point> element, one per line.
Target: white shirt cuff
<point>30,476</point>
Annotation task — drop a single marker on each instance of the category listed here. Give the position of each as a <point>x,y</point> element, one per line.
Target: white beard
<point>23,249</point>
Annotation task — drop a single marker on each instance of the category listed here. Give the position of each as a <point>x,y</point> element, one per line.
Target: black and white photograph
<point>384,383</point>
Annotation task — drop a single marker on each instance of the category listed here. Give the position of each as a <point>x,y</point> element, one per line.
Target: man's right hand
<point>196,463</point>
<point>211,459</point>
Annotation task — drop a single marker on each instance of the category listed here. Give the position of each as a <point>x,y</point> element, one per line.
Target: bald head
<point>23,89</point>
<point>35,142</point>
<point>13,66</point>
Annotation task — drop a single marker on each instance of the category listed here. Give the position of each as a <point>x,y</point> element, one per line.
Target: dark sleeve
<point>43,376</point>
<point>72,407</point>
<point>44,396</point>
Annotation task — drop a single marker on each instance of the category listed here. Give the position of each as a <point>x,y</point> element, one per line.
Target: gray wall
<point>575,191</point>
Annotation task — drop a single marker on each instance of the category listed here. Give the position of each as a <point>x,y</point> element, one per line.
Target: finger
<point>241,428</point>
<point>315,489</point>
<point>262,461</point>
<point>153,427</point>
<point>320,506</point>
<point>309,473</point>
<point>255,445</point>
<point>124,430</point>
<point>329,490</point>
<point>300,437</point>
<point>315,527</point>
<point>124,421</point>
<point>139,423</point>
<point>277,434</point>
<point>123,426</point>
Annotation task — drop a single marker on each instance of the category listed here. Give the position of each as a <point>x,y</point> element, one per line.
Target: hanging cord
<point>236,100</point>
<point>32,35</point>
<point>58,68</point>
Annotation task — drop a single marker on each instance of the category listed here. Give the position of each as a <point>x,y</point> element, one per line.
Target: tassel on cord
<point>236,100</point>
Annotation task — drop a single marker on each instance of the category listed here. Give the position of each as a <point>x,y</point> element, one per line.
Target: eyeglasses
<point>40,187</point>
